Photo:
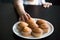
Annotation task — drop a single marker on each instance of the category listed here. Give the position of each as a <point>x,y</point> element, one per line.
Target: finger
<point>48,6</point>
<point>28,16</point>
<point>44,6</point>
<point>19,19</point>
<point>50,3</point>
<point>22,18</point>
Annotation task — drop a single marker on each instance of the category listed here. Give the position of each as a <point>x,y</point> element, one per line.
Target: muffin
<point>45,27</point>
<point>40,21</point>
<point>32,23</point>
<point>45,30</point>
<point>21,25</point>
<point>26,32</point>
<point>32,26</point>
<point>30,20</point>
<point>37,32</point>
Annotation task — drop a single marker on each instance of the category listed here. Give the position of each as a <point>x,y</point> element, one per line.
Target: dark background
<point>8,17</point>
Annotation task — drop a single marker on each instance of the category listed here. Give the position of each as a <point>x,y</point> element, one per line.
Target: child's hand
<point>24,17</point>
<point>47,5</point>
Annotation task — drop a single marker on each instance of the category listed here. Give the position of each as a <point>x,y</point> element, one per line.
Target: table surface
<point>8,17</point>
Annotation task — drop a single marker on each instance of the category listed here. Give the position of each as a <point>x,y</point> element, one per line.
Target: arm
<point>20,9</point>
<point>19,6</point>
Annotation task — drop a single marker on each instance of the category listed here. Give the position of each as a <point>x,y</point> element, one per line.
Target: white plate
<point>50,31</point>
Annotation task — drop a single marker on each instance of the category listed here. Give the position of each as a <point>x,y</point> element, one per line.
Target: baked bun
<point>40,21</point>
<point>45,30</point>
<point>32,23</point>
<point>26,31</point>
<point>32,26</point>
<point>21,25</point>
<point>45,27</point>
<point>37,32</point>
<point>30,20</point>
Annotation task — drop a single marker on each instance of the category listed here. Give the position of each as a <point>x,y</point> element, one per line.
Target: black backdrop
<point>55,2</point>
<point>8,18</point>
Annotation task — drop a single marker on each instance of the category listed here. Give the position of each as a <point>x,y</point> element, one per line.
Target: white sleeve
<point>20,1</point>
<point>43,1</point>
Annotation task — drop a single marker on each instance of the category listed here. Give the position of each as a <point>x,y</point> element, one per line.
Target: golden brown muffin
<point>45,27</point>
<point>29,21</point>
<point>45,30</point>
<point>37,32</point>
<point>32,26</point>
<point>32,23</point>
<point>21,25</point>
<point>40,21</point>
<point>26,32</point>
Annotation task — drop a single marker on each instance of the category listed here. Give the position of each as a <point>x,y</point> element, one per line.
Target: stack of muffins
<point>32,28</point>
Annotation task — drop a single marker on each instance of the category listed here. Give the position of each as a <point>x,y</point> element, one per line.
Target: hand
<point>24,17</point>
<point>47,5</point>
